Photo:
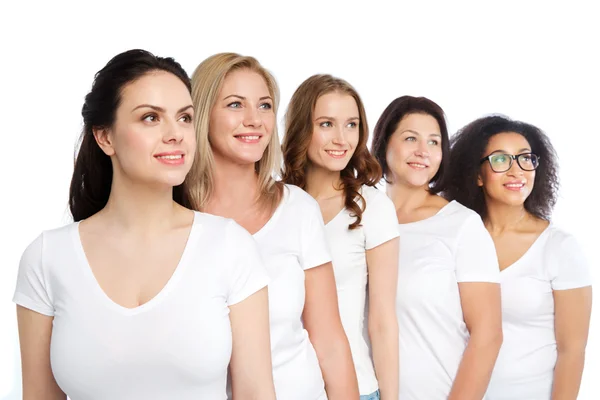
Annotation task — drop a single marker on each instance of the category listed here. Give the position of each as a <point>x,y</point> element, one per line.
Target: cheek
<point>316,144</point>
<point>269,122</point>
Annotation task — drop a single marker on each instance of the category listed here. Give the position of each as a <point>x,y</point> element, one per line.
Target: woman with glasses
<point>448,296</point>
<point>506,171</point>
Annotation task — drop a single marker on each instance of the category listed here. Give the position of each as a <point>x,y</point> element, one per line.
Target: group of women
<point>208,261</point>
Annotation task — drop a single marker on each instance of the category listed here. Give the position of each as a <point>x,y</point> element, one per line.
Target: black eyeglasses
<point>501,162</point>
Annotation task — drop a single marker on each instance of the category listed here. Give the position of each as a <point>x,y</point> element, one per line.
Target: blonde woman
<point>238,155</point>
<point>325,153</point>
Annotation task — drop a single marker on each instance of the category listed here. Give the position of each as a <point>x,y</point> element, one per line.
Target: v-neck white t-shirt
<point>525,366</point>
<point>379,224</point>
<point>436,255</point>
<point>291,242</point>
<point>175,346</point>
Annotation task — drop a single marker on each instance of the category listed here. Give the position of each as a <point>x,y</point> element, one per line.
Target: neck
<point>322,183</point>
<point>140,208</point>
<point>234,183</point>
<point>502,217</point>
<point>407,197</point>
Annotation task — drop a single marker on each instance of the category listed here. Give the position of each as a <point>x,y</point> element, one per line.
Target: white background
<point>531,60</point>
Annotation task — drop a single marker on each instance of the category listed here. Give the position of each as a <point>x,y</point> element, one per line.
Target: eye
<point>434,142</point>
<point>352,125</point>
<point>235,104</point>
<point>326,124</point>
<point>186,118</point>
<point>266,106</point>
<point>150,118</point>
<point>501,158</point>
<point>410,139</point>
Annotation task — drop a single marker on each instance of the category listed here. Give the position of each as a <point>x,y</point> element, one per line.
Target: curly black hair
<point>467,149</point>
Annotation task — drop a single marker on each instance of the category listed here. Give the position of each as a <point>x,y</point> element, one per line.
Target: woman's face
<point>502,179</point>
<point>242,120</point>
<point>414,151</point>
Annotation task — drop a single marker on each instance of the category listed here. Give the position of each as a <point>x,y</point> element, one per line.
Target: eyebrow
<point>523,150</point>
<point>162,110</point>
<point>243,98</point>
<point>326,117</point>
<point>417,133</point>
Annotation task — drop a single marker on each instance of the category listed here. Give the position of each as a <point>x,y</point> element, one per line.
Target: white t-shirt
<point>525,366</point>
<point>292,241</point>
<point>175,346</point>
<point>348,249</point>
<point>436,254</point>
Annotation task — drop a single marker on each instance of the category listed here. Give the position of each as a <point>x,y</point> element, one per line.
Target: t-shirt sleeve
<point>32,284</point>
<point>314,246</point>
<point>476,259</point>
<point>380,223</point>
<point>569,267</point>
<point>246,273</point>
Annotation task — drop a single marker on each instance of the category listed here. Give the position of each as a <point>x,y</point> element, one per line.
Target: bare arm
<point>251,369</point>
<point>35,331</point>
<point>322,321</point>
<point>482,313</point>
<point>382,262</point>
<point>572,310</point>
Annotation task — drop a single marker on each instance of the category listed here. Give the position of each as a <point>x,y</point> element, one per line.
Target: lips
<point>514,186</point>
<point>336,153</point>
<point>417,166</point>
<point>171,158</point>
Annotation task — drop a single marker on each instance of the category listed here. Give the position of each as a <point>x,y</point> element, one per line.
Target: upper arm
<point>250,366</point>
<point>35,331</point>
<point>572,311</point>
<point>321,315</point>
<point>382,263</point>
<point>481,308</point>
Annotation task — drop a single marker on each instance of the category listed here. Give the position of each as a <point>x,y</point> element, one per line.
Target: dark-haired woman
<point>326,154</point>
<point>506,171</point>
<point>448,301</point>
<point>141,298</point>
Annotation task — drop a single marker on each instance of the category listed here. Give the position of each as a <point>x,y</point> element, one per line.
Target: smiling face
<point>513,186</point>
<point>242,119</point>
<point>335,131</point>
<point>414,151</point>
<point>152,140</point>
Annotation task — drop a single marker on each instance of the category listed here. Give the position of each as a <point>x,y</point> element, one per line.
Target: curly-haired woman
<point>506,171</point>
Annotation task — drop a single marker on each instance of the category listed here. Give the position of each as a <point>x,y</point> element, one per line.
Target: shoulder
<point>218,227</point>
<point>298,198</point>
<point>372,194</point>
<point>559,240</point>
<point>460,215</point>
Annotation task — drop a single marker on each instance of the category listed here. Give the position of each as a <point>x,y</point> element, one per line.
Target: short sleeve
<point>246,273</point>
<point>569,266</point>
<point>32,288</point>
<point>379,221</point>
<point>314,246</point>
<point>476,259</point>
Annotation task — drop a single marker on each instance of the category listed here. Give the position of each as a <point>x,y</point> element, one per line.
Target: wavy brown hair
<point>362,169</point>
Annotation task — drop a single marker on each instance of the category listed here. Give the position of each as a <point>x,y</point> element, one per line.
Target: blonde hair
<point>206,85</point>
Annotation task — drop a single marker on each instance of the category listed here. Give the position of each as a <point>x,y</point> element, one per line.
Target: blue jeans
<point>372,396</point>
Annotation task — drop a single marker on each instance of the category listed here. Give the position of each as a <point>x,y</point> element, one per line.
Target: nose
<point>252,117</point>
<point>515,169</point>
<point>172,132</point>
<point>422,150</point>
<point>339,136</point>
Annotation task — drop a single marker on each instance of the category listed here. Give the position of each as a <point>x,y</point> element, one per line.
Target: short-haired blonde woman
<point>325,153</point>
<point>238,156</point>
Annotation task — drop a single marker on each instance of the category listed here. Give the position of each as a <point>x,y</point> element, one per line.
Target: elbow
<point>383,326</point>
<point>489,339</point>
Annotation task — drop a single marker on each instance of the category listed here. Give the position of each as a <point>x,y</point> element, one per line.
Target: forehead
<point>335,103</point>
<point>508,141</point>
<point>421,123</point>
<point>158,88</point>
<point>245,82</point>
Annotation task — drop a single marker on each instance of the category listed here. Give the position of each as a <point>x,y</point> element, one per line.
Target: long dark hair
<point>362,169</point>
<point>92,175</point>
<point>388,123</point>
<point>468,146</point>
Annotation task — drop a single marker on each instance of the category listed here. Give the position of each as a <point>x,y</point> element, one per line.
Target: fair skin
<point>133,245</point>
<point>514,231</point>
<point>413,156</point>
<point>335,137</point>
<point>241,124</point>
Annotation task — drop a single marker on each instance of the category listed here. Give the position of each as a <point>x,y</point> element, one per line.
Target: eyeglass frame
<point>512,159</point>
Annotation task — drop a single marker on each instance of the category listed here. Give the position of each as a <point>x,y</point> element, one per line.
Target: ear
<point>103,138</point>
<point>479,180</point>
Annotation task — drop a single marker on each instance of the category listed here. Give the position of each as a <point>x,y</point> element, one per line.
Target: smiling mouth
<point>171,157</point>
<point>336,153</point>
<point>248,138</point>
<point>514,186</point>
<point>417,165</point>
